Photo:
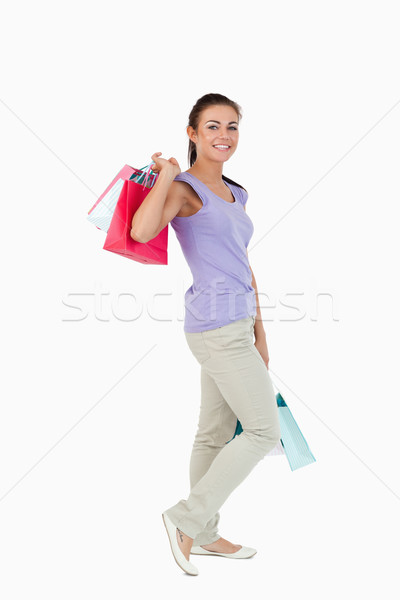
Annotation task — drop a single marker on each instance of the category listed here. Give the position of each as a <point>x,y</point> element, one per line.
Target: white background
<point>99,403</point>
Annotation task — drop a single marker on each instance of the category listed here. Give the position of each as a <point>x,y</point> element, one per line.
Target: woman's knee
<point>265,438</point>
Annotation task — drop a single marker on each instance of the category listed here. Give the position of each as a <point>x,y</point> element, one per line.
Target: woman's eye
<point>211,126</point>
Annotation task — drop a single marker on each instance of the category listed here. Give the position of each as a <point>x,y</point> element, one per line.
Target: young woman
<point>207,211</point>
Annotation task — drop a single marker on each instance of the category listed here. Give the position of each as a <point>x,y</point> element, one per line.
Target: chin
<point>221,158</point>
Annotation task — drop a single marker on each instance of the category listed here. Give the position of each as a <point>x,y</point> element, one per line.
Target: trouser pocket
<point>258,355</point>
<point>236,333</point>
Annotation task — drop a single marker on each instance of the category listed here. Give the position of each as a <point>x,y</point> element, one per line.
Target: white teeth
<point>221,146</point>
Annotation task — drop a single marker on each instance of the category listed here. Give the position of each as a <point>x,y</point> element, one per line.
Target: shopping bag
<point>118,238</point>
<point>102,210</point>
<point>295,446</point>
<point>292,442</point>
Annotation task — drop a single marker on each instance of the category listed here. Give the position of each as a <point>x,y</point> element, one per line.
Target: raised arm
<point>161,204</point>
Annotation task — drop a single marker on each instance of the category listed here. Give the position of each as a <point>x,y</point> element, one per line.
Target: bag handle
<point>144,175</point>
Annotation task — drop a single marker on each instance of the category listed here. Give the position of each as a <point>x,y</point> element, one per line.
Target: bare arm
<point>161,205</point>
<point>259,332</point>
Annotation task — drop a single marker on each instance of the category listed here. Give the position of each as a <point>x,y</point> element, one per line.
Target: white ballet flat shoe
<point>243,552</point>
<point>180,558</point>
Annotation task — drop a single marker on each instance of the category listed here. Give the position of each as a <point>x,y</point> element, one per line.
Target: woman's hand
<point>261,346</point>
<point>161,164</point>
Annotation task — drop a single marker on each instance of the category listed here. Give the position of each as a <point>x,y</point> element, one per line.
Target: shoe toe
<point>178,555</point>
<point>246,552</point>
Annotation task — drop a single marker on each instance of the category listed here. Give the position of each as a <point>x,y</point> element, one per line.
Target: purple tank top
<point>214,242</point>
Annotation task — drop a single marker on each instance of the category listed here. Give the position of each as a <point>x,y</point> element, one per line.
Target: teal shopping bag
<point>294,444</point>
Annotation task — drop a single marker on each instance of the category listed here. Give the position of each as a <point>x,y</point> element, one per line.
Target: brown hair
<point>194,118</point>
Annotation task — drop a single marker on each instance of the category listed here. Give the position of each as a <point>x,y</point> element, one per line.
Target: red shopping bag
<point>154,252</point>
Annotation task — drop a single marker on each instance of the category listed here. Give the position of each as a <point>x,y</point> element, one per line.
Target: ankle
<point>183,537</point>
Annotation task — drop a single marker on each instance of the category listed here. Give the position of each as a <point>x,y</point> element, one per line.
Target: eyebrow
<point>219,123</point>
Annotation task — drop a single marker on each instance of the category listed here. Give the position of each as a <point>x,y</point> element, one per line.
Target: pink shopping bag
<point>118,236</point>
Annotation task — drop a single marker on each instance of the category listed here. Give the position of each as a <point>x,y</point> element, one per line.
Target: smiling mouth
<point>223,149</point>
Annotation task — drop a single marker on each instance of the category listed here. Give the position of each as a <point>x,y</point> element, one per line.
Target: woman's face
<point>219,125</point>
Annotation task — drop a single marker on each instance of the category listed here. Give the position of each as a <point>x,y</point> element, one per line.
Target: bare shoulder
<point>178,190</point>
<point>182,195</point>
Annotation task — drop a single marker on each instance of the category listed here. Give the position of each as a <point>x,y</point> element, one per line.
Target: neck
<point>208,171</point>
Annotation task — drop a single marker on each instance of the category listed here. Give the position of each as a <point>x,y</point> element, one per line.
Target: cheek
<point>207,139</point>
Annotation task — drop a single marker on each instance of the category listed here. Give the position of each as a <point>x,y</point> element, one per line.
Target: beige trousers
<point>235,384</point>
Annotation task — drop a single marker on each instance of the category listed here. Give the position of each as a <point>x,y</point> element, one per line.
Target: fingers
<point>154,157</point>
<point>159,162</point>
